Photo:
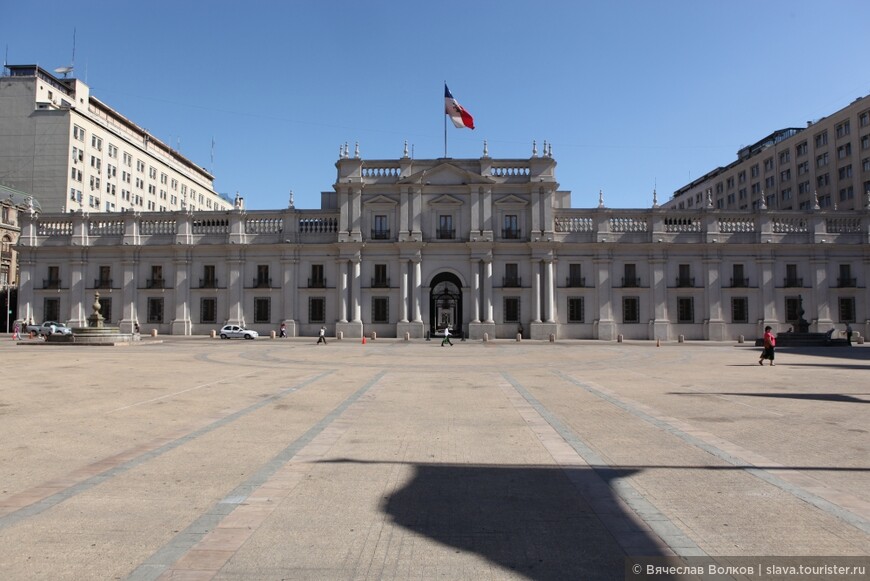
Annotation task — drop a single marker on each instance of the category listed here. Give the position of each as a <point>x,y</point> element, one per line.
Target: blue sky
<point>631,94</point>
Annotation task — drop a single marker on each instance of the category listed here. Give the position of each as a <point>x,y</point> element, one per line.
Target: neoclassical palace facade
<point>409,246</point>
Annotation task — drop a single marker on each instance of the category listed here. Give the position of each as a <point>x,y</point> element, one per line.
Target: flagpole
<point>445,124</point>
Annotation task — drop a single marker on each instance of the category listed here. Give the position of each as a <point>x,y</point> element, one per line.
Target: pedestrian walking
<point>769,346</point>
<point>322,337</point>
<point>446,337</point>
<point>283,331</point>
<point>15,332</point>
<point>848,333</point>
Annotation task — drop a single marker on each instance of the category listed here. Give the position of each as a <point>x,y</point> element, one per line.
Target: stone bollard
<point>519,337</point>
<point>681,339</point>
<point>213,334</point>
<point>153,332</point>
<point>339,335</point>
<point>485,337</point>
<point>552,337</point>
<point>407,336</point>
<point>741,339</point>
<point>272,335</point>
<point>860,340</point>
<point>619,338</point>
<point>374,335</point>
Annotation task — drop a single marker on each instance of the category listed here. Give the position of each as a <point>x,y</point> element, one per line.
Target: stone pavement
<point>195,458</point>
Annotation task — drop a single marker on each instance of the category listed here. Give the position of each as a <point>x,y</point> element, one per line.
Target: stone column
<point>289,293</point>
<point>536,291</point>
<point>355,300</point>
<point>403,290</point>
<point>182,324</point>
<point>551,291</point>
<point>487,290</point>
<point>418,289</point>
<point>342,290</point>
<point>475,290</point>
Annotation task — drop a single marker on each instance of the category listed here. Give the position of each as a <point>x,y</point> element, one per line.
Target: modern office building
<point>482,246</point>
<point>825,164</point>
<point>72,152</point>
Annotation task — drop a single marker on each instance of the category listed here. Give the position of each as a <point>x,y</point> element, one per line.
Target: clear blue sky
<point>629,93</point>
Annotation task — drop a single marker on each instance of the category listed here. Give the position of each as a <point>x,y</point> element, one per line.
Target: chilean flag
<point>460,117</point>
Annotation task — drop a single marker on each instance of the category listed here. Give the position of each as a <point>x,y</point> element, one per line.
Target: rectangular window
<point>792,308</point>
<point>821,139</point>
<point>208,310</point>
<point>630,310</point>
<point>380,280</point>
<point>843,129</point>
<point>262,309</point>
<point>445,227</point>
<point>844,151</point>
<point>317,280</point>
<point>51,309</point>
<point>847,193</point>
<point>576,310</point>
<point>801,149</point>
<point>823,180</point>
<point>847,309</point>
<point>316,310</point>
<point>768,164</point>
<point>630,278</point>
<point>382,228</point>
<point>845,172</point>
<point>106,309</point>
<point>845,279</point>
<point>78,133</point>
<point>684,279</point>
<point>156,280</point>
<point>753,171</point>
<point>864,119</point>
<point>739,310</point>
<point>155,310</point>
<point>822,160</point>
<point>380,310</point>
<point>511,275</point>
<point>511,230</point>
<point>784,157</point>
<point>785,175</point>
<point>263,280</point>
<point>685,309</point>
<point>575,276</point>
<point>512,309</point>
<point>208,279</point>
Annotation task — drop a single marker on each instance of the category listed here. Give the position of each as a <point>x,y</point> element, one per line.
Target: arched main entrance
<point>445,303</point>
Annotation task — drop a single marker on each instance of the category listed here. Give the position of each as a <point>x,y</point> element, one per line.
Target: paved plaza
<point>195,458</point>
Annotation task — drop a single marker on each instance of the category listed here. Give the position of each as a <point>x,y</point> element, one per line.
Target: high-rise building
<point>72,152</point>
<point>825,164</point>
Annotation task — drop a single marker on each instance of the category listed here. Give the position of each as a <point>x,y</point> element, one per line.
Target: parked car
<point>237,332</point>
<point>48,328</point>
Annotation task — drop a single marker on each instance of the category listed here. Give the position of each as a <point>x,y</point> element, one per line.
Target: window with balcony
<point>630,278</point>
<point>156,280</point>
<point>511,228</point>
<point>575,276</point>
<point>53,280</point>
<point>791,277</point>
<point>105,278</point>
<point>208,279</point>
<point>263,280</point>
<point>445,227</point>
<point>380,280</point>
<point>684,278</point>
<point>845,279</point>
<point>381,229</point>
<point>511,277</point>
<point>317,280</point>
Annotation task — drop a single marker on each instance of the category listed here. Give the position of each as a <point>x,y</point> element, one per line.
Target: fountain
<point>801,336</point>
<point>96,333</point>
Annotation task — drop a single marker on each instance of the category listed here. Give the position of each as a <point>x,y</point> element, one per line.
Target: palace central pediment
<point>446,174</point>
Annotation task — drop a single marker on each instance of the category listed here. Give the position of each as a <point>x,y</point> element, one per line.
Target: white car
<point>237,332</point>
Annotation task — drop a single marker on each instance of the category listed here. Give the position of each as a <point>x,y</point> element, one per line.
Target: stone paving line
<point>209,543</point>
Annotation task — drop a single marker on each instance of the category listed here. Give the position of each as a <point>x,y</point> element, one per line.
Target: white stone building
<point>72,152</point>
<point>480,245</point>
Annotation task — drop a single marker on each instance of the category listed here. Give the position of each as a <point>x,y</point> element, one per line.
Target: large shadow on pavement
<point>532,520</point>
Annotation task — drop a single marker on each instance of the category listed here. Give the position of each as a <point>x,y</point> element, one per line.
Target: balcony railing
<point>380,234</point>
<point>103,283</point>
<point>846,282</point>
<point>445,234</point>
<point>510,233</point>
<point>685,282</point>
<point>793,282</point>
<point>261,282</point>
<point>739,282</point>
<point>576,281</point>
<point>208,283</point>
<point>154,283</point>
<point>380,283</point>
<point>316,283</point>
<point>631,282</point>
<point>511,282</point>
<point>51,283</point>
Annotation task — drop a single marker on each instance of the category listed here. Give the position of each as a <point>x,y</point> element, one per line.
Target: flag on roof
<point>460,117</point>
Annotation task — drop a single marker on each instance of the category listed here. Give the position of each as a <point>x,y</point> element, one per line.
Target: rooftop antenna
<point>67,70</point>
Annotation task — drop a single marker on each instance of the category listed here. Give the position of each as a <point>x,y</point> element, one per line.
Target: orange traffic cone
<point>364,340</point>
